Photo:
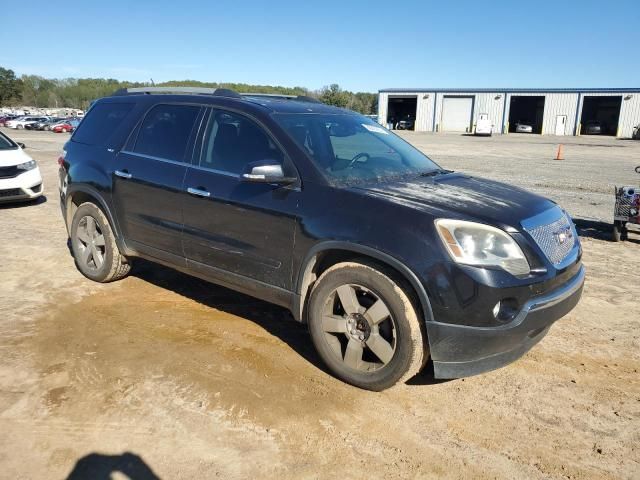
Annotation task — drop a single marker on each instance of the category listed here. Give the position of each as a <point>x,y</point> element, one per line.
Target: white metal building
<point>554,111</point>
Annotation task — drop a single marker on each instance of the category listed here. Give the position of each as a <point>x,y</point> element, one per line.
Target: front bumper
<point>25,186</point>
<point>462,351</point>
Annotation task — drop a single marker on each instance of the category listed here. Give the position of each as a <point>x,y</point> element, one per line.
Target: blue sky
<point>361,45</point>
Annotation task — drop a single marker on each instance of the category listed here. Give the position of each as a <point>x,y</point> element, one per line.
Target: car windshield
<point>6,143</point>
<point>353,149</point>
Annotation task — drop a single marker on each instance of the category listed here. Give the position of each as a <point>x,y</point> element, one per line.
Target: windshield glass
<point>6,143</point>
<point>353,148</point>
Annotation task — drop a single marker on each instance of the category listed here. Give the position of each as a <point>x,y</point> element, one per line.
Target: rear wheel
<point>94,246</point>
<point>617,231</point>
<point>365,327</point>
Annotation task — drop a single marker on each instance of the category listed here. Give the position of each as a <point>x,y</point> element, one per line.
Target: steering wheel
<point>357,157</point>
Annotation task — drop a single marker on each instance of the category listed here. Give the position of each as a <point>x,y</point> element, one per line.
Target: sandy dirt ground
<point>162,375</point>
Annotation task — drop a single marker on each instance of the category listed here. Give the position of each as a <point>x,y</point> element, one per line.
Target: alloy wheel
<point>90,243</point>
<point>359,328</point>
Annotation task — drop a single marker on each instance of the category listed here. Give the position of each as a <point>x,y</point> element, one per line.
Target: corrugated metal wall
<point>383,103</point>
<point>493,104</point>
<point>497,106</point>
<point>629,114</point>
<point>424,115</point>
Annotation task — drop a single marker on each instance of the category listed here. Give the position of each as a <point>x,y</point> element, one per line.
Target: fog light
<point>506,309</point>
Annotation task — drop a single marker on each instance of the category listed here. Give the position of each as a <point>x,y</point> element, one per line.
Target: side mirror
<point>21,145</point>
<point>267,173</point>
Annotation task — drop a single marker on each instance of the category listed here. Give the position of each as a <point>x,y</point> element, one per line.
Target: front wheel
<point>94,246</point>
<point>365,326</point>
<point>618,228</point>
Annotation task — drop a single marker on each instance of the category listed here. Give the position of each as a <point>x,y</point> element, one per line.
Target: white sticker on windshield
<point>375,129</point>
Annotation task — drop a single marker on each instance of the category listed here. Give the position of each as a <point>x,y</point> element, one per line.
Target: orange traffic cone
<point>559,155</point>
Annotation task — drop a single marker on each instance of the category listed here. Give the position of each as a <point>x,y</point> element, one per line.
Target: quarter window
<point>165,131</point>
<point>232,142</point>
<point>101,122</point>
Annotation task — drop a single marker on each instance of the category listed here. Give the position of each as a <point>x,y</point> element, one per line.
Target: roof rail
<point>299,98</point>
<point>219,92</point>
<point>306,98</point>
<point>270,95</point>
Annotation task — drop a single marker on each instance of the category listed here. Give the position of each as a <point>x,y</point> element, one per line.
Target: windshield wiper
<point>436,172</point>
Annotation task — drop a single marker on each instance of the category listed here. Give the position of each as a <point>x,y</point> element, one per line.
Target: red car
<point>66,126</point>
<point>61,127</point>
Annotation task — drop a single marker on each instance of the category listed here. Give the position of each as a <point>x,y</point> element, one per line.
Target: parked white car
<point>20,122</point>
<point>524,128</point>
<point>20,177</point>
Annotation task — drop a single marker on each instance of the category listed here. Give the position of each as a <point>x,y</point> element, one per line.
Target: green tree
<point>334,95</point>
<point>10,86</point>
<point>79,92</point>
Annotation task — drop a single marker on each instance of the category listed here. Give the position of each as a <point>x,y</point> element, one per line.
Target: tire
<point>346,340</point>
<point>47,128</point>
<point>19,127</point>
<point>617,232</point>
<point>97,256</point>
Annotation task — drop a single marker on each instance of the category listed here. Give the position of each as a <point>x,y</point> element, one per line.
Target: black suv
<point>388,258</point>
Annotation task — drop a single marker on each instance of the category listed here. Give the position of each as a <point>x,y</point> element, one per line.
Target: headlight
<point>30,165</point>
<point>481,245</point>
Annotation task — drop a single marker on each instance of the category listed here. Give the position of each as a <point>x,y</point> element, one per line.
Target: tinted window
<point>101,122</point>
<point>233,141</point>
<point>165,131</point>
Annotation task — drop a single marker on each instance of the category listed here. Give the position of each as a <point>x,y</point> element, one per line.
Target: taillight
<point>61,158</point>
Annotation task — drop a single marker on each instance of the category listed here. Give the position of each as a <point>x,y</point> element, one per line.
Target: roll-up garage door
<point>456,113</point>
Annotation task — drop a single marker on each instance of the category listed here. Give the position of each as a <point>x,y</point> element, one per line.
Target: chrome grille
<point>555,239</point>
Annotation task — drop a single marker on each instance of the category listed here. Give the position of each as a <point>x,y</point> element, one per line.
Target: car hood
<point>463,196</point>
<point>9,158</point>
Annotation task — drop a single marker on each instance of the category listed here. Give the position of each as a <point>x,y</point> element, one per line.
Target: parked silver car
<point>524,128</point>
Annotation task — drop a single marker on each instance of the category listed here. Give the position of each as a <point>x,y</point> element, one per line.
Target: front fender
<point>300,289</point>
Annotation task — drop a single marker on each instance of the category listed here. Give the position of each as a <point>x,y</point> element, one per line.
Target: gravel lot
<point>165,373</point>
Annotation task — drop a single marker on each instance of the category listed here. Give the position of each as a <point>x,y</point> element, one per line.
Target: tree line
<point>40,92</point>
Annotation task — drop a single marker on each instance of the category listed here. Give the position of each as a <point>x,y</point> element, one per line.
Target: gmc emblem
<point>563,235</point>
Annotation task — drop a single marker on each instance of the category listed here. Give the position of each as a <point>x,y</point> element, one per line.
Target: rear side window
<point>101,122</point>
<point>165,131</point>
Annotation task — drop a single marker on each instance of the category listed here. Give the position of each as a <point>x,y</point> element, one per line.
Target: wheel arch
<point>325,254</point>
<point>78,195</point>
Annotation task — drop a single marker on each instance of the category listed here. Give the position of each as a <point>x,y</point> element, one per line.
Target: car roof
<point>251,101</point>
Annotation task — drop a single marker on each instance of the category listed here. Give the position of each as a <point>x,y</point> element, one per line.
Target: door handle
<point>122,174</point>
<point>199,192</point>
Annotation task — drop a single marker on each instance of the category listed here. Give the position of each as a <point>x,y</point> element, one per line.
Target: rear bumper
<point>462,351</point>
